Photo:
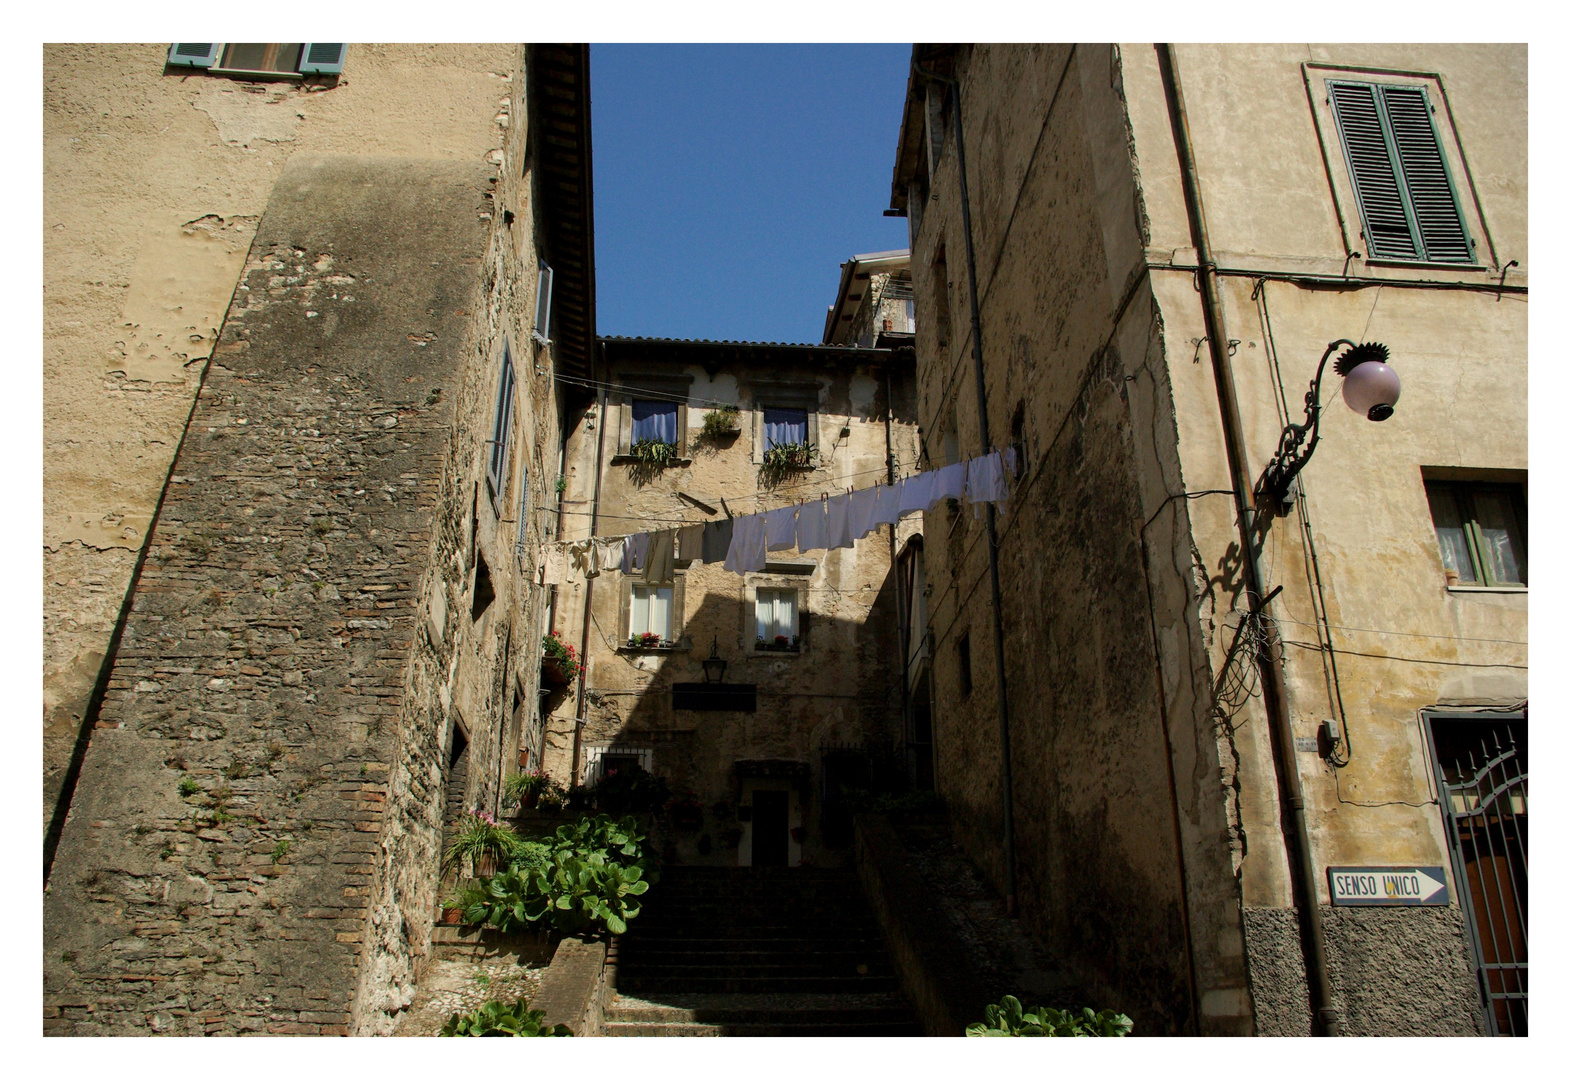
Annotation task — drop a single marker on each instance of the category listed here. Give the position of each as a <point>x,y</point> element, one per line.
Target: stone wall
<point>153,184</point>
<point>217,866</point>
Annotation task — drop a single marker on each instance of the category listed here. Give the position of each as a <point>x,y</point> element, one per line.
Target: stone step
<point>850,1029</point>
<point>747,984</point>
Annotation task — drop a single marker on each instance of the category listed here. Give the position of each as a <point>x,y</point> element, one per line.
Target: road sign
<point>1371,886</point>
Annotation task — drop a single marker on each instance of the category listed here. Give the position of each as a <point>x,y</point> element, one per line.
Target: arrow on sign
<point>1428,886</point>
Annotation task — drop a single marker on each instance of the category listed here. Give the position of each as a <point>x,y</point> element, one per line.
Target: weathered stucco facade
<point>335,607</point>
<point>154,181</point>
<point>837,694</point>
<point>1151,848</point>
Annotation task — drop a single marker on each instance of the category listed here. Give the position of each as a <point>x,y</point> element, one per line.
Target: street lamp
<point>1369,387</point>
<point>714,667</point>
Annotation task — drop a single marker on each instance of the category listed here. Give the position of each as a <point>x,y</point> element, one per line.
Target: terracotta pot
<point>452,916</point>
<point>553,670</point>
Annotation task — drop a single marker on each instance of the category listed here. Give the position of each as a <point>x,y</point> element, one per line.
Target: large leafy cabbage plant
<point>1008,1018</point>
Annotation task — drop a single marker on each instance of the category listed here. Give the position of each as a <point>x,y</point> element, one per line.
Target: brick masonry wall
<point>215,870</point>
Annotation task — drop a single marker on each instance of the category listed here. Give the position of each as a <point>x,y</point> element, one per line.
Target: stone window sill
<point>629,459</point>
<point>1487,589</point>
<point>679,647</point>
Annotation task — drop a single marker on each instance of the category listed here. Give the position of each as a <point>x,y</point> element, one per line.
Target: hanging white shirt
<point>949,482</point>
<point>749,548</point>
<point>862,504</point>
<point>780,528</point>
<point>839,523</point>
<point>916,493</point>
<point>812,527</point>
<point>887,511</point>
<point>985,479</point>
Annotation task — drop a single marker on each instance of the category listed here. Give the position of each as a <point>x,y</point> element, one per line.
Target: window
<point>308,58</point>
<point>496,468</point>
<point>784,427</point>
<point>1403,185</point>
<point>777,625</point>
<point>963,649</point>
<point>941,297</point>
<point>1482,530</point>
<point>650,613</point>
<point>655,421</point>
<point>542,332</point>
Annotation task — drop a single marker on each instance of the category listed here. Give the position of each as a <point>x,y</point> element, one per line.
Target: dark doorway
<point>1481,772</point>
<point>921,745</point>
<point>770,827</point>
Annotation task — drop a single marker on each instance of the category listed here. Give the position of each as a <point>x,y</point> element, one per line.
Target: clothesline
<point>742,543</point>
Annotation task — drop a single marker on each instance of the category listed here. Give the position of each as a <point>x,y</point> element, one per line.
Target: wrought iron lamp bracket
<point>1297,443</point>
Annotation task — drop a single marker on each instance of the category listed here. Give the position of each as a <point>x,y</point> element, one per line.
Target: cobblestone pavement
<point>451,986</point>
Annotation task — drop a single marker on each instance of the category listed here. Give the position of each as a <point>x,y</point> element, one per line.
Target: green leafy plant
<point>527,788</point>
<point>1009,1019</point>
<point>561,484</point>
<point>654,453</point>
<point>783,457</point>
<point>497,1018</point>
<point>189,787</point>
<point>280,850</point>
<point>564,656</point>
<point>480,838</point>
<point>721,422</point>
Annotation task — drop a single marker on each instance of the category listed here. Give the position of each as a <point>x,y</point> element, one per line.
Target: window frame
<point>544,277</point>
<point>1462,492</point>
<point>676,622</point>
<point>182,59</point>
<point>780,581</point>
<point>775,594</point>
<point>650,387</point>
<point>784,395</point>
<point>1344,190</point>
<point>501,432</point>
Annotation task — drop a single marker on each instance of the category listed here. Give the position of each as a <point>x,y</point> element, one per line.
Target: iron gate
<point>1482,770</point>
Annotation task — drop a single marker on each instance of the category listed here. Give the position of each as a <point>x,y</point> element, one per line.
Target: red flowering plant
<point>563,654</point>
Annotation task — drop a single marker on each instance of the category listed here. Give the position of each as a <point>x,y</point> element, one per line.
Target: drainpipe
<point>901,616</point>
<point>589,595</point>
<point>1006,769</point>
<point>1269,658</point>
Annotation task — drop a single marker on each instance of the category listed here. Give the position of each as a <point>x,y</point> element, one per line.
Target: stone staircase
<point>756,951</point>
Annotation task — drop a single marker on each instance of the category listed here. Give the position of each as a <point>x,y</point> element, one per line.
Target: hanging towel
<point>635,556</point>
<point>839,523</point>
<point>985,480</point>
<point>553,565</point>
<point>690,543</point>
<point>812,528</point>
<point>717,540</point>
<point>949,482</point>
<point>916,493</point>
<point>609,554</point>
<point>862,504</point>
<point>581,557</point>
<point>780,528</point>
<point>748,545</point>
<point>1009,462</point>
<point>662,553</point>
<point>887,511</point>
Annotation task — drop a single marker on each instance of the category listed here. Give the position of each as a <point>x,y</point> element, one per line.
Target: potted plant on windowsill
<point>649,640</point>
<point>652,453</point>
<point>722,422</point>
<point>785,457</point>
<point>559,664</point>
<point>779,643</point>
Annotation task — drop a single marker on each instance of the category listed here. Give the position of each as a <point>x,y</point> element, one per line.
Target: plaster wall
<point>153,185</point>
<point>841,688</point>
<point>1121,826</point>
<point>1402,639</point>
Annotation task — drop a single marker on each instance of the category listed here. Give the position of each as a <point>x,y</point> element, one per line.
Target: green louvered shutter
<point>1441,231</point>
<point>193,54</point>
<point>319,59</point>
<point>1404,191</point>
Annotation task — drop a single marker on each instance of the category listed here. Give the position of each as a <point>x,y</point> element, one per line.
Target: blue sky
<point>732,180</point>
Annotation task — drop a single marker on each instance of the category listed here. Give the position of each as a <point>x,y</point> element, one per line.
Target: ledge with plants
<point>651,454</point>
<point>652,642</point>
<point>722,423</point>
<point>779,643</point>
<point>559,663</point>
<point>783,459</point>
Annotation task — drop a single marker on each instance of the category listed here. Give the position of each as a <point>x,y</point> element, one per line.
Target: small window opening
<point>941,297</point>
<point>485,592</point>
<point>963,647</point>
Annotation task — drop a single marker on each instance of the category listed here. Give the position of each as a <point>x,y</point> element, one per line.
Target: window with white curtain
<point>777,625</point>
<point>651,612</point>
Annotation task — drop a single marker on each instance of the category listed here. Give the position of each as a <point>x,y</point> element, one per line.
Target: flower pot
<point>452,916</point>
<point>554,671</point>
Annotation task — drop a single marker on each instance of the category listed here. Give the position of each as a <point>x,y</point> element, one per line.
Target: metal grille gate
<point>1483,790</point>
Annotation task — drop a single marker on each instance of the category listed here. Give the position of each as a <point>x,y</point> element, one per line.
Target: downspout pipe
<point>902,616</point>
<point>1269,657</point>
<point>589,595</point>
<point>1006,765</point>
